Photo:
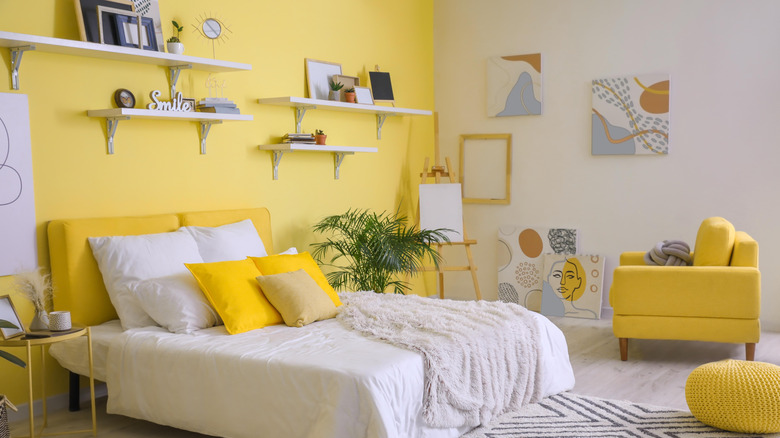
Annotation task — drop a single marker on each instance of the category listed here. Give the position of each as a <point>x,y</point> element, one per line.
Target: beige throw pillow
<point>297,297</point>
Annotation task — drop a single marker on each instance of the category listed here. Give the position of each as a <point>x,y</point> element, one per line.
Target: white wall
<point>724,149</point>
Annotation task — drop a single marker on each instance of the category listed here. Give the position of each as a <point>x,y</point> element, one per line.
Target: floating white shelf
<point>339,152</point>
<point>302,104</point>
<point>19,43</point>
<point>114,115</point>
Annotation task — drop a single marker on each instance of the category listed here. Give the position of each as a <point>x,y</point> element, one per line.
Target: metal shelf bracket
<point>300,111</point>
<point>16,61</point>
<point>338,157</point>
<point>277,158</point>
<point>380,120</point>
<point>205,127</point>
<point>174,76</point>
<point>111,124</point>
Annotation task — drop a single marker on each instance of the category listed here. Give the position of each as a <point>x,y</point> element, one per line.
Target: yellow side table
<point>53,338</point>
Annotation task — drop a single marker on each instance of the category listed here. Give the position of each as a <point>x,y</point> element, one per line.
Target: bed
<point>320,380</point>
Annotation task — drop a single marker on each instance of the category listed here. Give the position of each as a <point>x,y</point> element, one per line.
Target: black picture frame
<point>87,15</point>
<point>147,24</point>
<point>381,87</point>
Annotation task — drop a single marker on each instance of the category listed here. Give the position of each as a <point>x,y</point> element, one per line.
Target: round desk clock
<point>124,98</point>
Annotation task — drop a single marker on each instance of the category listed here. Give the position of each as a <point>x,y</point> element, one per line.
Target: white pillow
<point>124,260</point>
<point>176,303</point>
<point>229,242</point>
<point>289,251</point>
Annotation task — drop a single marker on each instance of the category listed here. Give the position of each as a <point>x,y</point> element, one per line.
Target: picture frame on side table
<point>363,95</point>
<point>87,18</point>
<point>481,158</point>
<point>8,313</point>
<point>127,32</point>
<point>318,77</point>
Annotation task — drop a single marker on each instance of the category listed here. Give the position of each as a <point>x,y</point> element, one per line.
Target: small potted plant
<point>174,44</point>
<point>319,137</point>
<point>335,90</point>
<point>349,94</point>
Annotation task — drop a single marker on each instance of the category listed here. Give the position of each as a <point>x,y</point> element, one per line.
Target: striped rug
<point>569,415</point>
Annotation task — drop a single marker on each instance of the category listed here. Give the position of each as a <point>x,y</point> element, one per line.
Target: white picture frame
<point>318,77</point>
<point>8,313</point>
<point>363,95</point>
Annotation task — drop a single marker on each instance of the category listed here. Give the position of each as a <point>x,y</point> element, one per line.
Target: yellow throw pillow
<point>233,291</point>
<point>297,297</point>
<point>714,243</point>
<point>277,264</point>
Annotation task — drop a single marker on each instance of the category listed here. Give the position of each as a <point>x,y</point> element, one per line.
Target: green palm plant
<point>8,356</point>
<point>371,251</point>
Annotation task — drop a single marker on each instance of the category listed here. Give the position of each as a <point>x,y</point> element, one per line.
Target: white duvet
<point>321,380</point>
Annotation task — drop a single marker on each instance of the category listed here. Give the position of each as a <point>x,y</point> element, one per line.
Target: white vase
<point>335,95</point>
<point>40,321</point>
<point>175,48</point>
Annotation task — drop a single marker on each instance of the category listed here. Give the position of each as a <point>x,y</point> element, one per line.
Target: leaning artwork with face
<point>572,286</point>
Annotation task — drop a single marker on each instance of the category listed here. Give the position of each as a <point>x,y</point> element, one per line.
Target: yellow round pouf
<point>736,395</point>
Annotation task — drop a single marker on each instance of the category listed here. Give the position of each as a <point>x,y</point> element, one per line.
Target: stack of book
<point>298,137</point>
<point>219,105</point>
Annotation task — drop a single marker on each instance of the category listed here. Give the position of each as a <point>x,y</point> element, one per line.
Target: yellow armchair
<point>718,299</point>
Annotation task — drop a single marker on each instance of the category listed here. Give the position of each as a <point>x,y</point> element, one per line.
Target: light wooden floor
<point>655,373</point>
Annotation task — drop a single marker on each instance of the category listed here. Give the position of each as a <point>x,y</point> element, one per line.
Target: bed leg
<point>74,397</point>
<point>623,349</point>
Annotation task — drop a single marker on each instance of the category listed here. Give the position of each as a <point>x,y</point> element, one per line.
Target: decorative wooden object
<point>438,173</point>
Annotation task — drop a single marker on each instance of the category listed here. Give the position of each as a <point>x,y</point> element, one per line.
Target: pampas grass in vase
<point>36,287</point>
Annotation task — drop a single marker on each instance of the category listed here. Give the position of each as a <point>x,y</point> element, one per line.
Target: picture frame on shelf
<point>318,77</point>
<point>108,26</point>
<point>88,21</point>
<point>363,95</point>
<point>151,9</point>
<point>8,313</point>
<point>128,32</point>
<point>381,87</point>
<point>348,82</point>
<point>191,103</point>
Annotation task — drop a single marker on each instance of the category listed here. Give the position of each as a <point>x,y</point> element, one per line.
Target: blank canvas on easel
<point>441,206</point>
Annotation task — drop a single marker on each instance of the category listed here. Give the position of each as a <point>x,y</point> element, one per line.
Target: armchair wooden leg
<point>750,351</point>
<point>623,349</point>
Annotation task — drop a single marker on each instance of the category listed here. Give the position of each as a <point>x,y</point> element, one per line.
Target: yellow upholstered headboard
<point>78,284</point>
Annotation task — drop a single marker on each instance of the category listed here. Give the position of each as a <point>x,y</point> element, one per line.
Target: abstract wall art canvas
<point>17,202</point>
<point>572,285</point>
<point>520,260</point>
<point>630,115</point>
<point>514,85</point>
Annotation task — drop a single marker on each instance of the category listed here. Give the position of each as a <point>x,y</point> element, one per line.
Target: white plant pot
<point>335,95</point>
<point>175,48</point>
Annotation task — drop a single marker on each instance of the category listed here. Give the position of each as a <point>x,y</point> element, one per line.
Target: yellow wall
<point>157,167</point>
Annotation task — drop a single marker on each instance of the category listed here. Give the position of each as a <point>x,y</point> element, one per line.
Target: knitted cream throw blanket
<point>480,357</point>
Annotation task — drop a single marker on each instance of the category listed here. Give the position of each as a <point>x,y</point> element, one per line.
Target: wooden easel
<point>437,172</point>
